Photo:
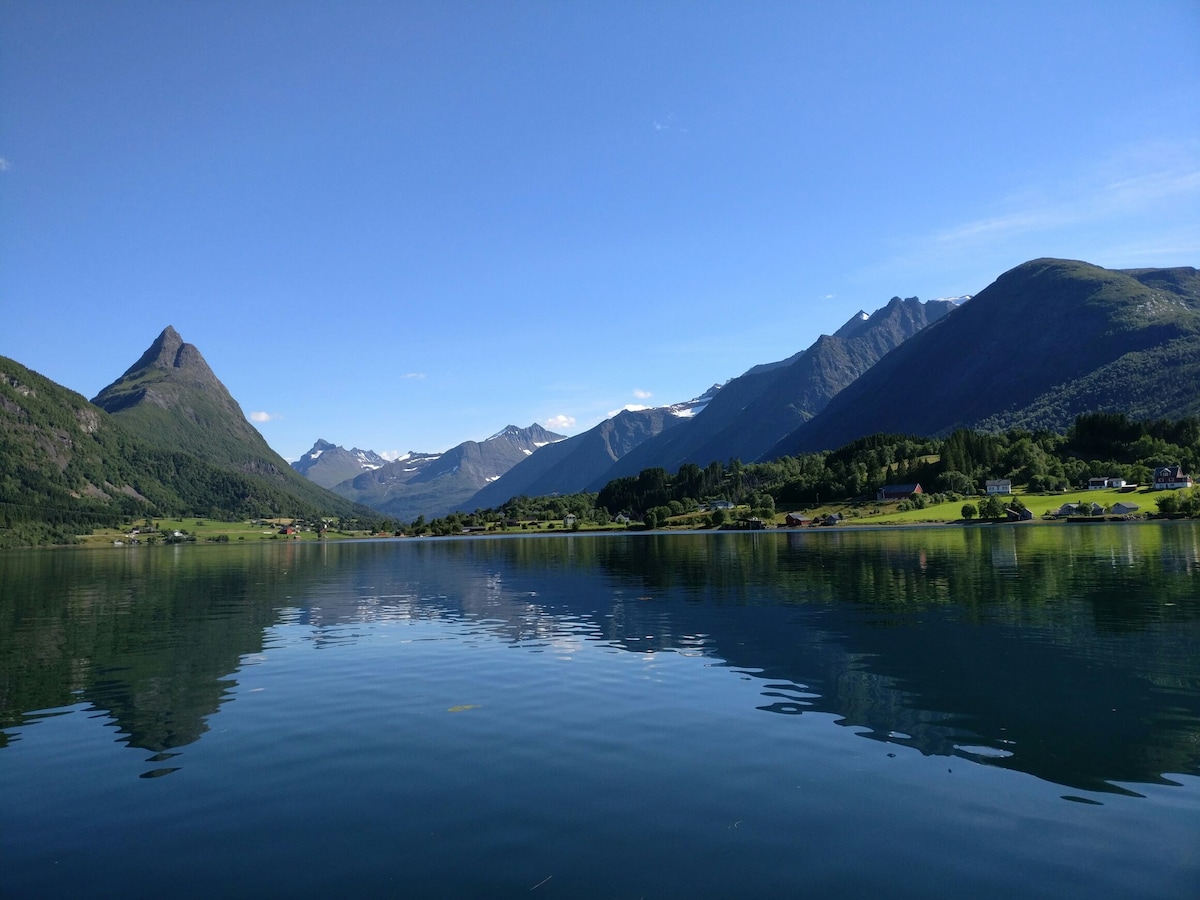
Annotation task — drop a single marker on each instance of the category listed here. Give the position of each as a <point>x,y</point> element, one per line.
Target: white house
<point>999,486</point>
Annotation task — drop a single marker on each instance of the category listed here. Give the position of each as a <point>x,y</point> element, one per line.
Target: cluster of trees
<point>991,506</point>
<point>518,513</point>
<point>1180,503</point>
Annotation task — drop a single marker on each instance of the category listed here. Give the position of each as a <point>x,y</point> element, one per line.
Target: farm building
<point>898,491</point>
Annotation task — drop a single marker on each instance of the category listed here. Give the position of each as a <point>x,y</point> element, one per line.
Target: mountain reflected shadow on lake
<point>1065,653</point>
<point>148,636</point>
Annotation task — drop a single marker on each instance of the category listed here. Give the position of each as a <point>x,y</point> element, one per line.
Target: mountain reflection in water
<point>1068,654</point>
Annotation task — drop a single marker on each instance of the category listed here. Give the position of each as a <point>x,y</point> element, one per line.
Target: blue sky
<point>404,225</point>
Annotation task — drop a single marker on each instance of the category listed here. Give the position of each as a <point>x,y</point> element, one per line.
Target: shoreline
<point>600,532</point>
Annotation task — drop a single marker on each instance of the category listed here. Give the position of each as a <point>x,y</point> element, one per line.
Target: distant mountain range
<point>741,419</point>
<point>328,464</point>
<point>574,464</point>
<point>433,484</point>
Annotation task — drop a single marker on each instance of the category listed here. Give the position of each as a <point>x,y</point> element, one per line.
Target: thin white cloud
<point>264,416</point>
<point>642,395</point>
<point>560,421</point>
<point>1130,183</point>
<point>5,165</point>
<point>1134,207</point>
<point>668,123</point>
<point>997,226</point>
<point>392,455</point>
<point>413,375</point>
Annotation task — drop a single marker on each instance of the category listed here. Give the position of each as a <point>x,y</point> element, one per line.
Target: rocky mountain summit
<point>329,464</point>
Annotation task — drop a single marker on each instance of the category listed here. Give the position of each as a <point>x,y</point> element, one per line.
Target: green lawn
<point>1039,504</point>
<point>208,530</point>
<point>869,513</point>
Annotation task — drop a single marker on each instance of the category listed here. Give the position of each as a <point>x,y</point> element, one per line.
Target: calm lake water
<point>938,712</point>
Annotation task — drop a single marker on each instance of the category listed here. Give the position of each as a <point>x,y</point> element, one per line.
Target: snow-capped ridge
<point>696,405</point>
<point>506,430</point>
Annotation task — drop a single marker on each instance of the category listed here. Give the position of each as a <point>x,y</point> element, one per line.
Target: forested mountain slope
<point>67,466</point>
<point>172,400</point>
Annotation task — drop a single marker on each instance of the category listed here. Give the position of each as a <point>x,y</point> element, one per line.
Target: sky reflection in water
<point>542,706</point>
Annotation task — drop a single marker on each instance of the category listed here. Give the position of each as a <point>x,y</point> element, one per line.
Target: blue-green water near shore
<point>1010,711</point>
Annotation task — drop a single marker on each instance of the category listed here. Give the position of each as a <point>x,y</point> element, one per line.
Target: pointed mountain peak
<point>534,432</point>
<point>855,323</point>
<point>168,367</point>
<point>170,352</point>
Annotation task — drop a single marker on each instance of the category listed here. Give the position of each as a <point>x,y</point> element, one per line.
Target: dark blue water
<point>1013,711</point>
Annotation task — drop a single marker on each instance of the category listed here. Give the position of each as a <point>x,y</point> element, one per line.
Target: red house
<point>1170,478</point>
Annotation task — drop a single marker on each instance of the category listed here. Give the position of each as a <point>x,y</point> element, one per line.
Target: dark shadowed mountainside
<point>752,412</point>
<point>572,465</point>
<point>1045,342</point>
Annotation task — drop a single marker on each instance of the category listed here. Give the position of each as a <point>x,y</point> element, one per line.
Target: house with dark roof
<point>1171,478</point>
<point>898,491</point>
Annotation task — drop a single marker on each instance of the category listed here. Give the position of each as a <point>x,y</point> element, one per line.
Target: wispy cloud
<point>5,165</point>
<point>1131,207</point>
<point>560,421</point>
<point>668,123</point>
<point>1132,182</point>
<point>264,416</point>
<point>413,375</point>
<point>642,395</point>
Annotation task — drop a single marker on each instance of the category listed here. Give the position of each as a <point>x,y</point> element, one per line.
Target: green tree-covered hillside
<point>67,466</point>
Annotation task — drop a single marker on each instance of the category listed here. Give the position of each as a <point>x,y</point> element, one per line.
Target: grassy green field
<point>1039,504</point>
<point>866,513</point>
<point>206,530</point>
